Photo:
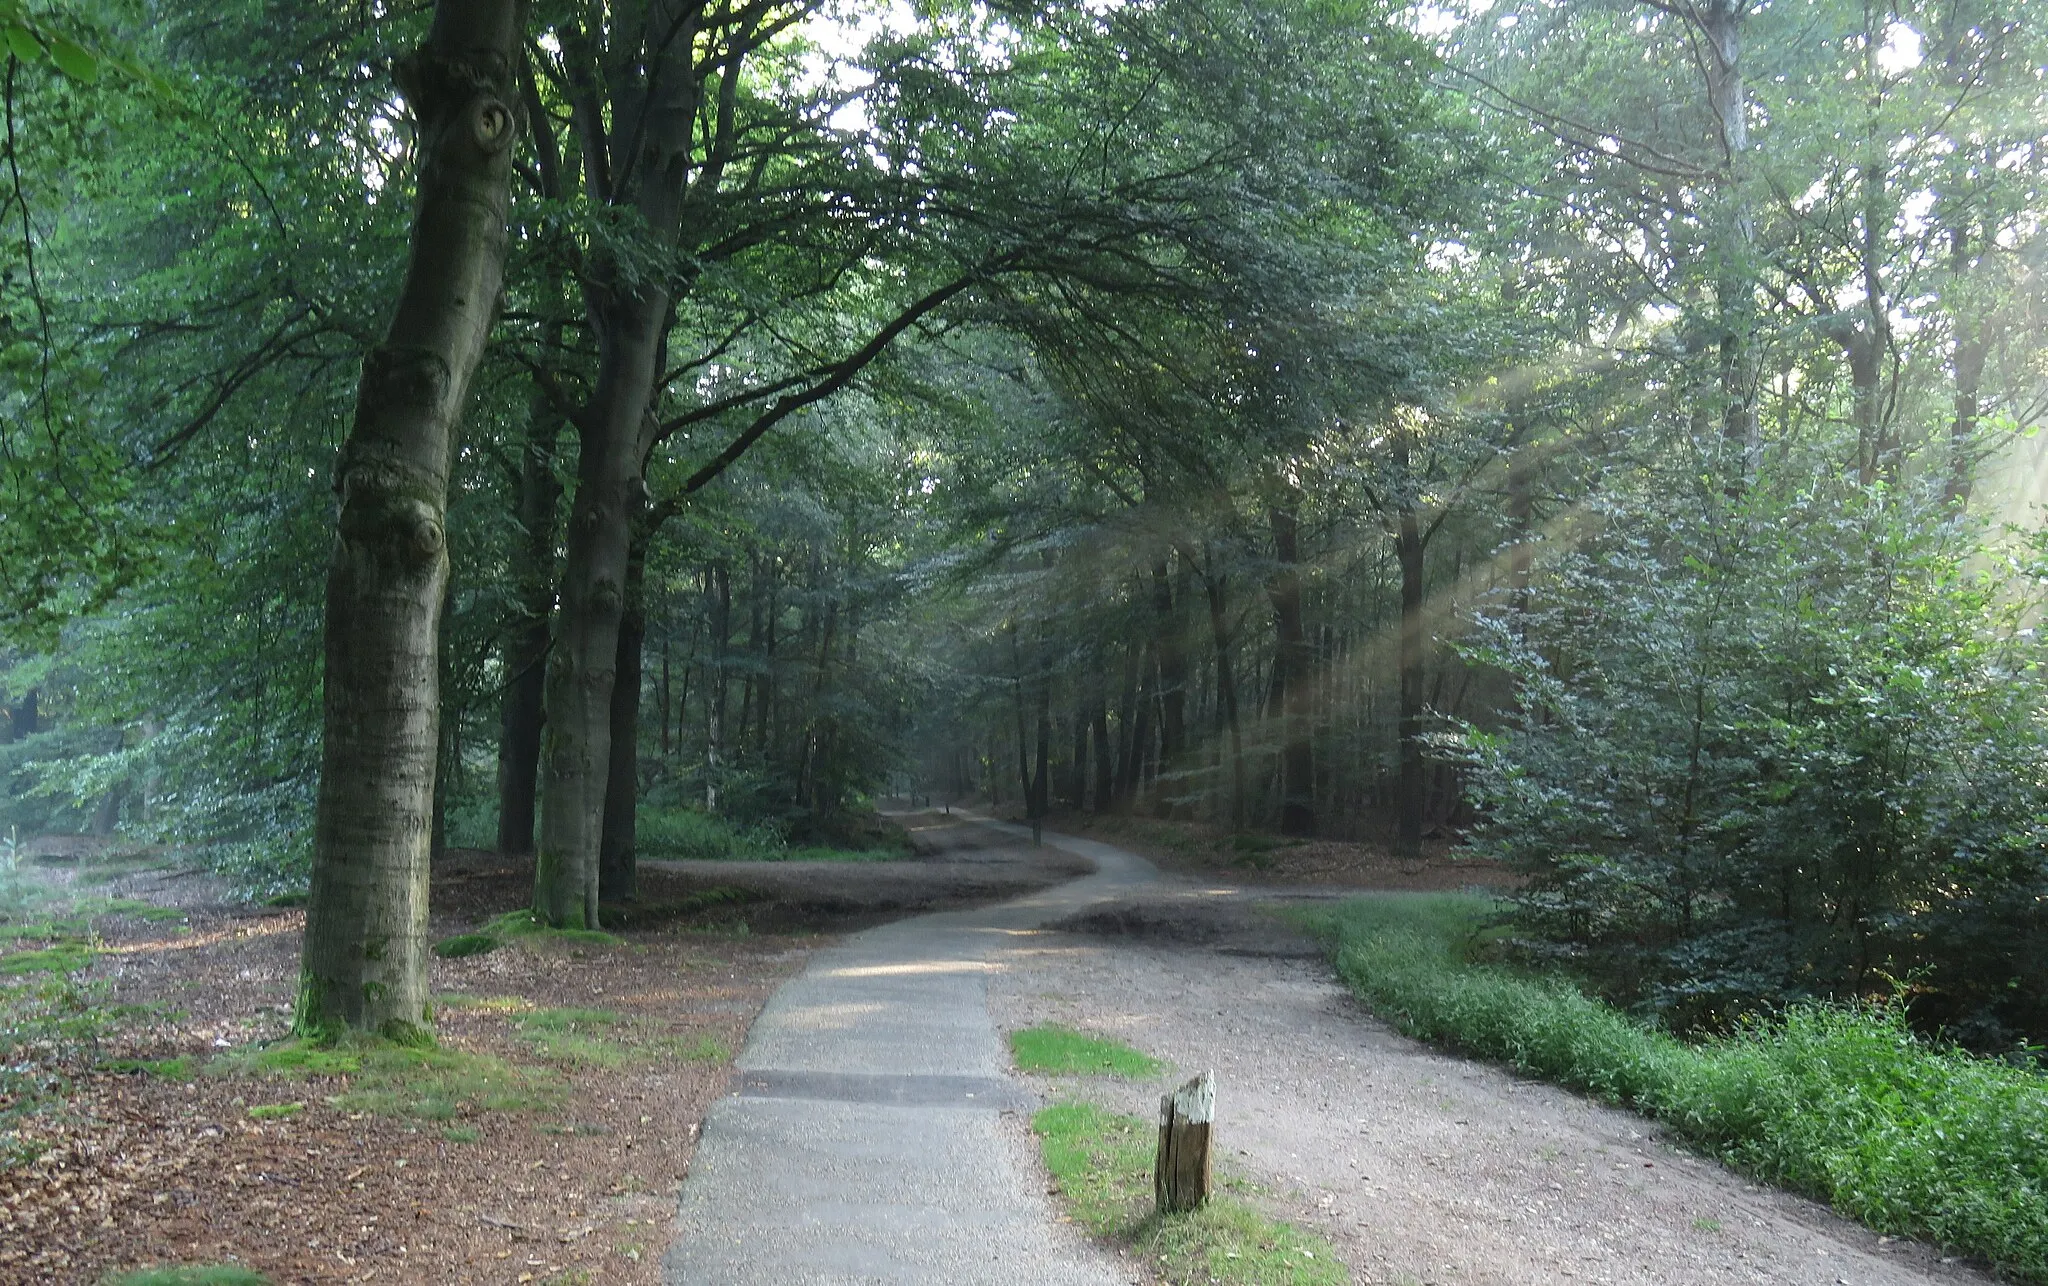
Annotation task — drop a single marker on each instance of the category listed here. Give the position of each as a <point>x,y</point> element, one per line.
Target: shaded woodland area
<point>1601,436</point>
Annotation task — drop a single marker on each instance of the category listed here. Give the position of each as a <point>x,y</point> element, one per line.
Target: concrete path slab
<point>875,1134</point>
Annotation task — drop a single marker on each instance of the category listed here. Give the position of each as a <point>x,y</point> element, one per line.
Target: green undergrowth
<point>56,1019</point>
<point>1061,1051</point>
<point>191,1275</point>
<point>1843,1103</point>
<point>1101,1162</point>
<point>426,1082</point>
<point>686,834</point>
<point>519,926</point>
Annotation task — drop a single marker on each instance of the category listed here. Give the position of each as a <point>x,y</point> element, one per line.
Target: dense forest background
<point>1598,434</point>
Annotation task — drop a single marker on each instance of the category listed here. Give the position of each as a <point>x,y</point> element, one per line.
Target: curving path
<point>874,1132</point>
<point>874,1135</point>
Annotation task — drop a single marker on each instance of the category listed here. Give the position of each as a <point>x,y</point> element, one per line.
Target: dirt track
<point>1421,1168</point>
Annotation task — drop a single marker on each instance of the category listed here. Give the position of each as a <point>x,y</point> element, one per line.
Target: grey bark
<point>617,874</point>
<point>526,639</point>
<point>366,920</point>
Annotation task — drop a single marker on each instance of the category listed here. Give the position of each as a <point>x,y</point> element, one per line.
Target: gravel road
<point>1421,1168</point>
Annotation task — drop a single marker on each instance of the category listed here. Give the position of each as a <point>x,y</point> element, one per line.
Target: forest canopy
<point>1597,437</point>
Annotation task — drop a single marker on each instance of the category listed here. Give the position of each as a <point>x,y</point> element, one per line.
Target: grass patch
<point>602,1038</point>
<point>1102,1164</point>
<point>466,944</point>
<point>137,909</point>
<point>165,1069</point>
<point>428,1083</point>
<point>64,957</point>
<point>191,1275</point>
<point>1843,1103</point>
<point>275,1111</point>
<point>462,1134</point>
<point>1062,1051</point>
<point>578,1036</point>
<point>704,1049</point>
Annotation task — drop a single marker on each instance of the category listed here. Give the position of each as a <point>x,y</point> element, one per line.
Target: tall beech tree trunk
<point>583,666</point>
<point>526,642</point>
<point>363,965</point>
<point>637,156</point>
<point>617,873</point>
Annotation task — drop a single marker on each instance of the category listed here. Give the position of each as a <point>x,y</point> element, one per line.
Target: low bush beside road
<point>1843,1103</point>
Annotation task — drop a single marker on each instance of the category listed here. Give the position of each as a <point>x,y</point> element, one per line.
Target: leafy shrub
<point>1842,1102</point>
<point>1778,748</point>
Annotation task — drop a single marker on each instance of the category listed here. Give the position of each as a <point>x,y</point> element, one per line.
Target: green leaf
<point>23,43</point>
<point>74,60</point>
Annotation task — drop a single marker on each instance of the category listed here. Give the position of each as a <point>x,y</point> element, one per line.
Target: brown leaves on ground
<point>140,1168</point>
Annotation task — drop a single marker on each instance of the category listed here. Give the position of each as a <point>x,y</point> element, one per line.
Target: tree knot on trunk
<point>465,100</point>
<point>437,84</point>
<point>388,502</point>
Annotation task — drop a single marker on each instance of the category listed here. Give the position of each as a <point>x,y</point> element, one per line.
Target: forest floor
<point>553,1149</point>
<point>545,1144</point>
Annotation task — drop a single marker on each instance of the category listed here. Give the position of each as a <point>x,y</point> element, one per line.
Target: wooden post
<point>1180,1175</point>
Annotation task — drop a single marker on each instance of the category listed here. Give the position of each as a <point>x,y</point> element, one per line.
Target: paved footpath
<point>872,1133</point>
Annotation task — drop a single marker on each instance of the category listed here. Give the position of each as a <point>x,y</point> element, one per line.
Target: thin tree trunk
<point>526,641</point>
<point>1414,797</point>
<point>1077,770</point>
<point>1721,22</point>
<point>1041,778</point>
<point>1138,722</point>
<point>1971,350</point>
<point>1226,687</point>
<point>719,588</point>
<point>1105,757</point>
<point>667,695</point>
<point>1173,684</point>
<point>1291,675</point>
<point>1028,788</point>
<point>366,920</point>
